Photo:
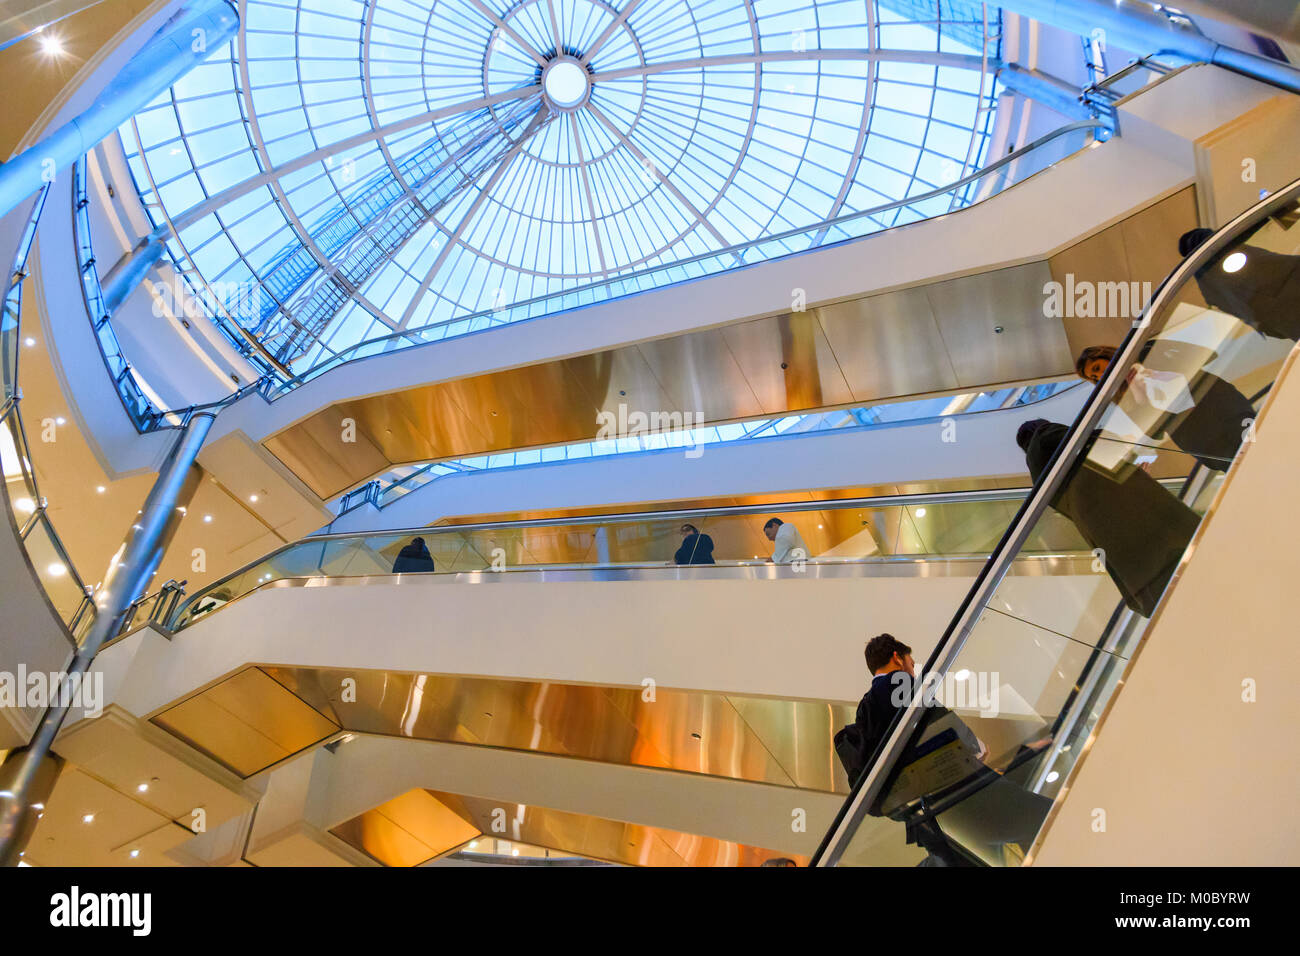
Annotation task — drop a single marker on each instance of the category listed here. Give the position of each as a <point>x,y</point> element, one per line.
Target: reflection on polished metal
<point>124,582</point>
<point>1098,446</point>
<point>259,716</point>
<point>964,333</point>
<point>423,824</point>
<point>863,350</point>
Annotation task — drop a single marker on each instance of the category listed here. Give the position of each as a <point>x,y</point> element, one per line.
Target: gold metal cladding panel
<point>908,342</point>
<point>782,742</point>
<point>247,722</point>
<point>407,830</point>
<point>394,833</point>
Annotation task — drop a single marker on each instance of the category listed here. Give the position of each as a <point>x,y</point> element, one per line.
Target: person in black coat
<point>413,557</point>
<point>1259,287</point>
<point>1141,529</point>
<point>1211,430</point>
<point>696,548</point>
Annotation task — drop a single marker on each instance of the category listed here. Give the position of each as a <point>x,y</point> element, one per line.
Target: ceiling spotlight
<point>88,818</point>
<point>1234,262</point>
<point>100,488</point>
<point>920,512</point>
<point>253,498</point>
<point>29,342</point>
<point>52,45</point>
<point>143,787</point>
<point>25,505</point>
<point>56,569</point>
<point>60,420</point>
<point>207,519</point>
<point>134,854</point>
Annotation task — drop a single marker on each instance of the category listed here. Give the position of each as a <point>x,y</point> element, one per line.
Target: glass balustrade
<point>1029,671</point>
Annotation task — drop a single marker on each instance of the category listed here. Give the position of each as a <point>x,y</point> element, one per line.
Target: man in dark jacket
<point>413,557</point>
<point>1259,287</point>
<point>1141,529</point>
<point>696,548</point>
<point>1210,430</point>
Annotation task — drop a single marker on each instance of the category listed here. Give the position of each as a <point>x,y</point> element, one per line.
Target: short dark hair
<point>690,529</point>
<point>772,521</point>
<point>1192,238</point>
<point>1091,354</point>
<point>881,650</point>
<point>1027,431</point>
<point>417,541</point>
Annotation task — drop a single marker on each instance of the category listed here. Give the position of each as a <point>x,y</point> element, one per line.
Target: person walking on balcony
<point>696,548</point>
<point>413,558</point>
<point>788,543</point>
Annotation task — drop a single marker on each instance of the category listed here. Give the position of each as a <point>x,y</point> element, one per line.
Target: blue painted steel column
<point>130,271</point>
<point>1138,27</point>
<point>198,29</point>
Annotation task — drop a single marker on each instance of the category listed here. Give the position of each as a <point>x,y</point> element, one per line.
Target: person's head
<point>689,529</point>
<point>1093,362</point>
<point>418,542</point>
<point>886,654</point>
<point>1026,432</point>
<point>1189,240</point>
<point>772,527</point>
<point>779,861</point>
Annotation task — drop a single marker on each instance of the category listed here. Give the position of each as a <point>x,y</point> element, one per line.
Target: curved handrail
<point>137,405</point>
<point>76,620</point>
<point>726,258</point>
<point>592,524</point>
<point>872,784</point>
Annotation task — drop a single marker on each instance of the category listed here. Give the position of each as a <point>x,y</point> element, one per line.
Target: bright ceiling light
<point>29,341</point>
<point>920,512</point>
<point>143,787</point>
<point>100,488</point>
<point>25,505</point>
<point>1234,262</point>
<point>88,818</point>
<point>207,519</point>
<point>52,45</point>
<point>56,569</point>
<point>134,854</point>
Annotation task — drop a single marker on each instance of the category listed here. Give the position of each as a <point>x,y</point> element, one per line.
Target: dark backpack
<point>854,744</point>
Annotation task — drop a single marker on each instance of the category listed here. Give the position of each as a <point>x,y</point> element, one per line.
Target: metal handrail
<point>872,782</point>
<point>825,226</point>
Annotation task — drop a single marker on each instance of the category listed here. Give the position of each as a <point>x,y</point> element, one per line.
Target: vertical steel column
<point>171,53</point>
<point>123,585</point>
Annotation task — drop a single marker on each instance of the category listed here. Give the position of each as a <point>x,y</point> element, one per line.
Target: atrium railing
<point>138,407</point>
<point>1008,171</point>
<point>67,594</point>
<point>956,526</point>
<point>381,495</point>
<point>1054,660</point>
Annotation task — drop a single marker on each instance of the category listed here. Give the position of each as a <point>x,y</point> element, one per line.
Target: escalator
<point>1178,399</point>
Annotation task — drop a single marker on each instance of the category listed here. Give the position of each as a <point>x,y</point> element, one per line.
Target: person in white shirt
<point>788,544</point>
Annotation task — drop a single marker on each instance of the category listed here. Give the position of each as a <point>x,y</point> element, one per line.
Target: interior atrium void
<point>539,434</point>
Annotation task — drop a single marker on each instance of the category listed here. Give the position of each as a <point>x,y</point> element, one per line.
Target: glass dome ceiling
<point>344,169</point>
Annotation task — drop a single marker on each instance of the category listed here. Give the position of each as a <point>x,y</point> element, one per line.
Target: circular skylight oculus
<point>565,83</point>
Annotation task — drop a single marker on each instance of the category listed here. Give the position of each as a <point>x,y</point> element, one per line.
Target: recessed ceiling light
<point>920,512</point>
<point>52,45</point>
<point>60,420</point>
<point>25,505</point>
<point>1234,262</point>
<point>1053,777</point>
<point>29,342</point>
<point>207,519</point>
<point>143,787</point>
<point>88,818</point>
<point>253,498</point>
<point>56,569</point>
<point>100,488</point>
<point>134,854</point>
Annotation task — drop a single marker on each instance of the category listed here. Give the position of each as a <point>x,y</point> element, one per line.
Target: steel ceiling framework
<point>709,122</point>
